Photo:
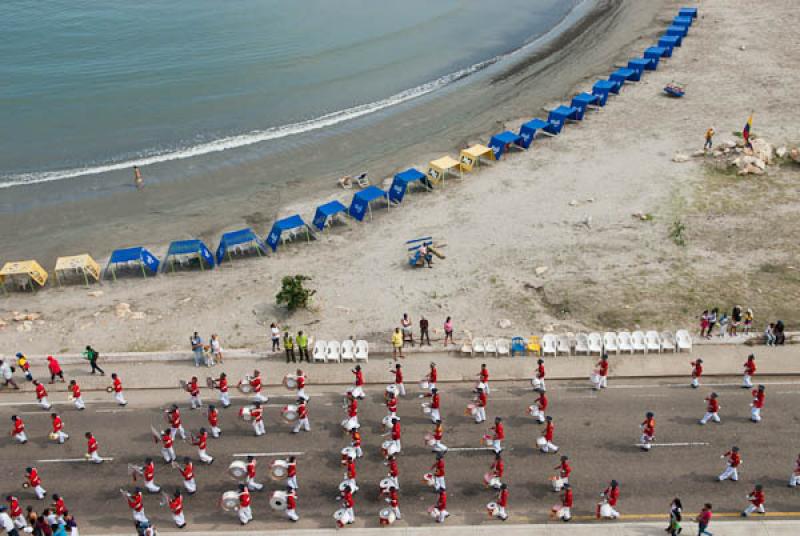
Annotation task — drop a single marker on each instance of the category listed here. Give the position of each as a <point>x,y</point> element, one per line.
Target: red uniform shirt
<point>498,468</point>
<point>398,376</point>
<point>213,417</point>
<point>257,414</point>
<point>396,431</point>
<point>255,383</point>
<point>202,441</point>
<point>359,378</point>
<point>438,467</point>
<point>603,367</point>
<point>481,400</point>
<point>757,497</point>
<point>291,469</point>
<point>441,502</point>
<point>393,469</point>
<point>435,401</point>
<point>697,371</point>
<point>166,440</point>
<point>438,433</point>
<point>291,502</point>
<point>355,438</point>
<point>135,502</point>
<point>14,509</point>
<point>548,431</point>
<point>33,478</point>
<point>41,392</point>
<point>54,366</point>
<point>60,507</point>
<point>394,499</point>
<point>433,375</point>
<point>391,404</point>
<point>91,445</point>
<point>352,408</point>
<point>251,469</point>
<point>758,398</point>
<point>499,431</point>
<point>117,383</point>
<point>302,411</point>
<point>149,471</point>
<point>564,469</point>
<point>188,471</point>
<point>351,470</point>
<point>223,385</point>
<point>76,390</point>
<point>244,498</point>
<point>301,382</point>
<point>484,375</point>
<point>176,505</point>
<point>733,458</point>
<point>540,372</point>
<point>566,500</point>
<point>193,388</point>
<point>649,427</point>
<point>797,466</point>
<point>612,494</point>
<point>750,367</point>
<point>175,418</point>
<point>713,405</point>
<point>19,426</point>
<point>347,499</point>
<point>58,424</point>
<point>542,402</point>
<point>502,500</point>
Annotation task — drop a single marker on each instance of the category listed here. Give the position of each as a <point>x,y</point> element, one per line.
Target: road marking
<point>670,385</point>
<point>691,515</point>
<point>265,454</point>
<point>688,444</point>
<point>468,449</point>
<point>73,460</point>
<point>116,410</point>
<point>67,403</point>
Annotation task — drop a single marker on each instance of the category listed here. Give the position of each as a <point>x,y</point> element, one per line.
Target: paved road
<point>597,430</point>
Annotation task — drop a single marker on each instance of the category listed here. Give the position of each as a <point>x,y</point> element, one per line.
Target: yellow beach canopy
<point>438,169</point>
<point>472,157</point>
<point>23,273</point>
<point>83,264</point>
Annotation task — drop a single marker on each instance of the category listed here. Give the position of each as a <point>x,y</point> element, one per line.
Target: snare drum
<point>536,383</point>
<point>492,509</point>
<point>386,516</point>
<point>424,385</point>
<point>244,414</point>
<point>387,422</point>
<point>290,382</point>
<point>278,469</point>
<point>426,409</point>
<point>348,454</point>
<point>350,424</point>
<point>357,392</point>
<point>556,483</point>
<point>429,479</point>
<point>289,413</point>
<point>278,501</point>
<point>237,469</point>
<point>541,441</point>
<point>595,379</point>
<point>392,389</point>
<point>491,480</point>
<point>386,483</point>
<point>389,448</point>
<point>244,385</point>
<point>229,501</point>
<point>488,440</point>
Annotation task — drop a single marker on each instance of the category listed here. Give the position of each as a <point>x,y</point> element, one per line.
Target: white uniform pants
<point>94,457</point>
<point>252,485</point>
<point>21,437</point>
<point>755,414</point>
<point>79,403</point>
<point>537,414</point>
<point>195,402</point>
<point>258,428</point>
<point>40,492</point>
<point>439,447</point>
<point>646,442</point>
<point>753,508</point>
<point>150,486</point>
<point>224,399</point>
<point>204,457</point>
<point>794,481</point>
<point>480,414</point>
<point>359,452</point>
<point>43,402</point>
<point>710,417</point>
<point>258,397</point>
<point>395,481</point>
<point>120,399</point>
<point>291,482</point>
<point>245,515</point>
<point>168,454</point>
<point>396,510</point>
<point>442,516</point>
<point>190,485</point>
<point>292,514</point>
<point>139,516</point>
<point>435,415</point>
<point>603,382</point>
<point>301,394</point>
<point>401,389</point>
<point>497,445</point>
<point>695,382</point>
<point>501,513</point>
<point>564,513</point>
<point>538,384</point>
<point>178,430</point>
<point>20,522</point>
<point>439,483</point>
<point>349,517</point>
<point>549,447</point>
<point>215,431</point>
<point>613,513</point>
<point>180,521</point>
<point>351,483</point>
<point>747,381</point>
<point>730,472</point>
<point>61,436</point>
<point>301,424</point>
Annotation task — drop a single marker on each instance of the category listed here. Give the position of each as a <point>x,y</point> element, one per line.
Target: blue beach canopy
<point>401,181</point>
<point>361,200</point>
<point>640,65</point>
<point>655,54</point>
<point>677,31</point>
<point>682,21</point>
<point>602,88</point>
<point>500,142</point>
<point>669,42</point>
<point>557,118</point>
<point>190,247</point>
<point>147,260</point>
<point>688,12</point>
<point>280,226</point>
<point>582,101</point>
<point>235,238</point>
<point>623,74</point>
<point>326,211</point>
<point>528,131</point>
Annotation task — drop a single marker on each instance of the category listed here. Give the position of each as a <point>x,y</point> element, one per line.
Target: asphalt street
<point>598,431</point>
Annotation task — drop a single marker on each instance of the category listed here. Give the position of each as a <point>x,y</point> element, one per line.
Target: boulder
<point>728,144</point>
<point>138,315</point>
<point>763,150</point>
<point>794,154</point>
<point>540,270</point>
<point>680,157</point>
<point>699,152</point>
<point>122,309</point>
<point>504,323</point>
<point>95,293</point>
<point>780,152</point>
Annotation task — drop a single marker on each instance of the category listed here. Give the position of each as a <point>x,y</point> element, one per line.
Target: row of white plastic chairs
<point>336,352</point>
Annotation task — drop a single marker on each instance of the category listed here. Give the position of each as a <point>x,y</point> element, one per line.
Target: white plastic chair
<point>581,344</point>
<point>638,342</point>
<point>348,350</point>
<point>362,351</point>
<point>466,347</point>
<point>478,346</point>
<point>667,341</point>
<point>549,344</point>
<point>333,353</point>
<point>653,341</point>
<point>595,342</point>
<point>489,346</point>
<point>318,355</point>
<point>624,341</point>
<point>684,340</point>
<point>563,345</point>
<point>610,342</point>
<point>503,347</point>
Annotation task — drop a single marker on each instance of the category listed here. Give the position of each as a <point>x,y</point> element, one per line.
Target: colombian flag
<point>746,129</point>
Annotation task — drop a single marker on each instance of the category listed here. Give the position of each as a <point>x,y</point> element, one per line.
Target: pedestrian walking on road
<point>610,499</point>
<point>648,428</point>
<point>18,430</point>
<point>24,366</point>
<point>41,395</point>
<point>301,379</point>
<point>55,369</point>
<point>439,511</point>
<point>221,383</point>
<point>175,421</point>
<point>291,505</point>
<point>275,335</point>
<point>433,376</point>
<point>697,371</point>
<point>712,409</point>
<point>92,448</point>
<point>291,472</point>
<point>709,139</point>
<point>391,404</point>
<point>498,467</point>
<point>423,331</point>
<point>675,517</point>
<point>168,446</point>
<point>116,387</point>
<point>213,421</point>
<point>136,504</point>
<point>302,417</point>
<point>564,469</point>
<point>256,386</point>
<point>732,469</point>
<point>480,405</point>
<point>75,395</point>
<point>439,472</point>
<point>602,372</point>
<point>483,378</point>
<point>538,377</point>
<point>703,520</point>
<point>250,479</point>
<point>197,349</point>
<point>436,438</point>
<point>92,356</point>
<point>216,348</point>
<point>498,435</point>
<point>302,347</point>
<point>288,346</point>
<point>757,404</point>
<point>749,372</point>
<point>539,408</point>
<point>756,499</point>
<point>58,429</point>
<point>257,415</point>
<point>176,506</point>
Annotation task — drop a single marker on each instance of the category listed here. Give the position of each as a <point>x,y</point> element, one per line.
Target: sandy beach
<point>562,209</point>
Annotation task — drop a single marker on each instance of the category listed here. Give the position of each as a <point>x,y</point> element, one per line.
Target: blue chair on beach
<point>602,88</point>
<point>517,346</point>
<point>668,43</point>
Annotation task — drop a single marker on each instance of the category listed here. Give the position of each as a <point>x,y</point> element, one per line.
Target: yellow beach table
<point>438,169</point>
<point>471,157</point>
<point>23,273</point>
<point>83,264</point>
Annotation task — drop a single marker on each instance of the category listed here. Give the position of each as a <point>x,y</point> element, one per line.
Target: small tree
<point>293,294</point>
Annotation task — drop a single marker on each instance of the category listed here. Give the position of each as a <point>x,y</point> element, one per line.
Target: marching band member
<point>794,480</point>
<point>291,504</point>
<point>255,384</point>
<point>498,466</point>
<point>540,374</point>
<point>483,378</point>
<point>257,415</point>
<point>394,471</point>
<point>213,421</point>
<point>176,505</point>
<point>116,386</point>
<point>480,405</point>
<point>301,379</point>
<point>712,409</point>
<point>438,434</point>
<point>697,371</point>
<point>498,434</point>
<point>756,499</point>
<point>757,404</point>
<point>187,471</point>
<point>302,417</point>
<point>175,423</point>
<point>393,499</point>
<point>250,481</point>
<point>15,512</point>
<point>352,410</point>
<point>602,371</point>
<point>391,404</point>
<point>149,475</point>
<point>564,469</point>
<point>548,436</point>
<point>358,381</point>
<point>541,406</point>
<point>435,403</point>
<point>136,504</point>
<point>18,430</point>
<point>77,399</point>
<point>58,428</point>
<point>611,496</point>
<point>749,372</point>
<point>432,376</point>
<point>564,513</point>
<point>244,510</point>
<point>439,472</point>
<point>59,507</point>
<point>167,446</point>
<point>395,433</point>
<point>502,503</point>
<point>201,442</point>
<point>221,383</point>
<point>291,472</point>
<point>398,380</point>
<point>35,482</point>
<point>355,442</point>
<point>648,427</point>
<point>92,448</point>
<point>348,503</point>
<point>41,395</point>
<point>734,461</point>
<point>350,476</point>
<point>194,393</point>
<point>441,506</point>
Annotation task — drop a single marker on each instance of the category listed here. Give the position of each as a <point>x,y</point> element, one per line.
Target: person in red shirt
<point>391,404</point>
<point>498,434</point>
<point>538,377</point>
<point>648,427</point>
<point>213,421</point>
<point>359,376</point>
<point>18,430</point>
<point>291,472</point>
<point>301,380</point>
<point>395,434</point>
<point>611,496</point>
<point>221,383</point>
<point>697,371</point>
<point>712,409</point>
<point>498,467</point>
<point>355,442</point>
<point>257,414</point>
<point>15,512</point>
<point>480,405</point>
<point>440,509</point>
<point>794,480</point>
<point>502,503</point>
<point>757,404</point>
<point>55,369</point>
<point>175,422</point>
<point>394,470</point>
<point>398,380</point>
<point>35,482</point>
<point>149,476</point>
<point>59,507</point>
<point>244,510</point>
<point>439,472</point>
<point>201,442</point>
<point>291,504</point>
<point>187,472</point>
<point>483,379</point>
<point>436,438</point>
<point>351,423</point>
<point>602,372</point>
<point>41,395</point>
<point>302,417</point>
<point>193,389</point>
<point>539,409</point>
<point>434,405</point>
<point>393,498</point>
<point>136,504</point>
<point>564,469</point>
<point>756,499</point>
<point>176,505</point>
<point>92,449</point>
<point>256,386</point>
<point>749,372</point>
<point>77,399</point>
<point>703,519</point>
<point>167,446</point>
<point>432,377</point>
<point>734,461</point>
<point>350,476</point>
<point>348,504</point>
<point>116,387</point>
<point>250,481</point>
<point>564,512</point>
<point>58,428</point>
<point>547,435</point>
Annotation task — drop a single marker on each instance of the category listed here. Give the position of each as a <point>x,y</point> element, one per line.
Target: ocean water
<point>88,87</point>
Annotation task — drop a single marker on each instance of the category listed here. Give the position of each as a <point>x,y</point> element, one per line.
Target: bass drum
<point>244,385</point>
<point>386,483</point>
<point>237,469</point>
<point>229,501</point>
<point>389,448</point>
<point>244,414</point>
<point>387,422</point>
<point>357,392</point>
<point>541,441</point>
<point>278,501</point>
<point>279,469</point>
<point>289,413</point>
<point>290,382</point>
<point>348,454</point>
<point>340,514</point>
<point>556,483</point>
<point>429,479</point>
<point>392,389</point>
<point>386,516</point>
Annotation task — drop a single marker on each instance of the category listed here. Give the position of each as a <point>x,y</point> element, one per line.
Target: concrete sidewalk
<point>146,371</point>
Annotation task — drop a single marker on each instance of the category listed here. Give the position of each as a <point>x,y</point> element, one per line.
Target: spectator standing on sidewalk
<point>703,520</point>
<point>275,334</point>
<point>448,331</point>
<point>288,345</point>
<point>302,347</point>
<point>197,347</point>
<point>423,331</point>
<point>92,356</point>
<point>216,348</point>
<point>408,335</point>
<point>397,344</point>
